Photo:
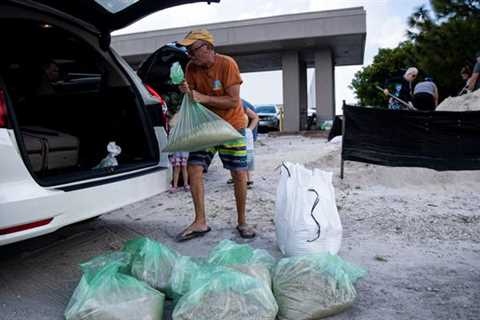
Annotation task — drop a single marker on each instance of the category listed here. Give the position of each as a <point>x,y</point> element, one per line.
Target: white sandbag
<point>306,216</point>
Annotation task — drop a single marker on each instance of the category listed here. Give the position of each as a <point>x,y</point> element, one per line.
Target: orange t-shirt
<point>213,81</point>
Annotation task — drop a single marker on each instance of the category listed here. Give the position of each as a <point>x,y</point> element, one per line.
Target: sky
<point>386,27</point>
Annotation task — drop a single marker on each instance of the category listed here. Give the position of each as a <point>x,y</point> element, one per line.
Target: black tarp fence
<point>438,140</point>
<point>336,129</point>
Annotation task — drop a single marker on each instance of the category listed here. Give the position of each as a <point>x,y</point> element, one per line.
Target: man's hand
<point>184,88</point>
<point>199,97</point>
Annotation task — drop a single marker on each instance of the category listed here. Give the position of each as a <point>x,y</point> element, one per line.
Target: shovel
<point>464,90</point>
<point>409,105</point>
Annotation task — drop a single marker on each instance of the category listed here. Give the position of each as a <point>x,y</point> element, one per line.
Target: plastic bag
<point>176,73</point>
<point>151,262</point>
<point>326,125</point>
<point>91,267</point>
<point>314,286</point>
<point>198,128</point>
<point>107,294</point>
<point>162,139</point>
<point>257,263</point>
<point>185,272</point>
<point>226,294</point>
<point>110,160</point>
<point>306,216</point>
<point>228,252</point>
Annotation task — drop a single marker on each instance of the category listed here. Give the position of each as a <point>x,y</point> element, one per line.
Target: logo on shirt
<point>217,85</point>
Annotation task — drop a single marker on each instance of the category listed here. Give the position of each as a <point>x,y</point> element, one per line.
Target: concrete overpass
<point>291,43</point>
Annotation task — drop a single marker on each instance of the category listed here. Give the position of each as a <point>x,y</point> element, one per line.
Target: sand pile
<point>369,176</point>
<point>466,102</point>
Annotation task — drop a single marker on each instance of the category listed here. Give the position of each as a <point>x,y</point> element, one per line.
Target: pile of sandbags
<point>233,282</point>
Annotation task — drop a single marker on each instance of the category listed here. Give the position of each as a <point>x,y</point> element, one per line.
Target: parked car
<point>269,115</point>
<point>54,130</point>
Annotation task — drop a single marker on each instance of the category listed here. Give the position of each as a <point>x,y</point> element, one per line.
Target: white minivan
<point>64,96</point>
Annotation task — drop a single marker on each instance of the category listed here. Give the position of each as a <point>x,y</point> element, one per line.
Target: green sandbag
<point>314,286</point>
<point>228,252</point>
<point>111,295</point>
<point>151,262</point>
<point>257,263</point>
<point>198,128</point>
<point>186,271</point>
<point>91,267</point>
<point>176,73</point>
<point>221,293</point>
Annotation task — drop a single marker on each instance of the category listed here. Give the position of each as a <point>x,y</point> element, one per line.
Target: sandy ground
<point>417,231</point>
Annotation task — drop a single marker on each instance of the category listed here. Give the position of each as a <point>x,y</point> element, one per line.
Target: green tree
<point>446,39</point>
<point>441,41</point>
<point>387,64</point>
<point>464,9</point>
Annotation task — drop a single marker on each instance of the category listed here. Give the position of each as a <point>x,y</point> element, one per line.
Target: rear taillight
<point>155,94</point>
<point>163,104</point>
<point>26,226</point>
<point>3,109</point>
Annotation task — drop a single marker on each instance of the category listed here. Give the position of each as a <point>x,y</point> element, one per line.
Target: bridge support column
<point>324,85</point>
<point>294,72</point>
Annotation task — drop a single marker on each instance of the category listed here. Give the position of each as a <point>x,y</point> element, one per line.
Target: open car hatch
<point>111,15</point>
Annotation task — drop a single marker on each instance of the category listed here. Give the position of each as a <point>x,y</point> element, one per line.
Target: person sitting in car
<point>50,74</point>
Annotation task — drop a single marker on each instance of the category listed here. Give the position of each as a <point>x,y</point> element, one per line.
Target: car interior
<point>68,102</point>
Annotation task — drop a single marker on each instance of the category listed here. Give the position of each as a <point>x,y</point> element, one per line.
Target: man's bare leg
<point>240,186</point>
<point>195,174</point>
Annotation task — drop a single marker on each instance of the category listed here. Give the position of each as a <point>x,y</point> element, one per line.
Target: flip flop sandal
<point>246,232</point>
<point>192,234</point>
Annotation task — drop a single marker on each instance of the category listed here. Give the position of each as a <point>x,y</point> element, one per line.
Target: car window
<point>266,109</point>
<point>115,6</point>
<point>63,64</point>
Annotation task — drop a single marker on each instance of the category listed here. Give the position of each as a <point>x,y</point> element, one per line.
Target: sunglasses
<point>191,51</point>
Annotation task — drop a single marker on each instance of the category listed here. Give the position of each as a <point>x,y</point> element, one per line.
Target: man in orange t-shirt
<point>214,81</point>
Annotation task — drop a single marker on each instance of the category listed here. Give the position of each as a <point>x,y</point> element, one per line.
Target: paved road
<point>38,276</point>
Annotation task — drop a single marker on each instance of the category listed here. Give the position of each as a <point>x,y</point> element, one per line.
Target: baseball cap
<point>197,34</point>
